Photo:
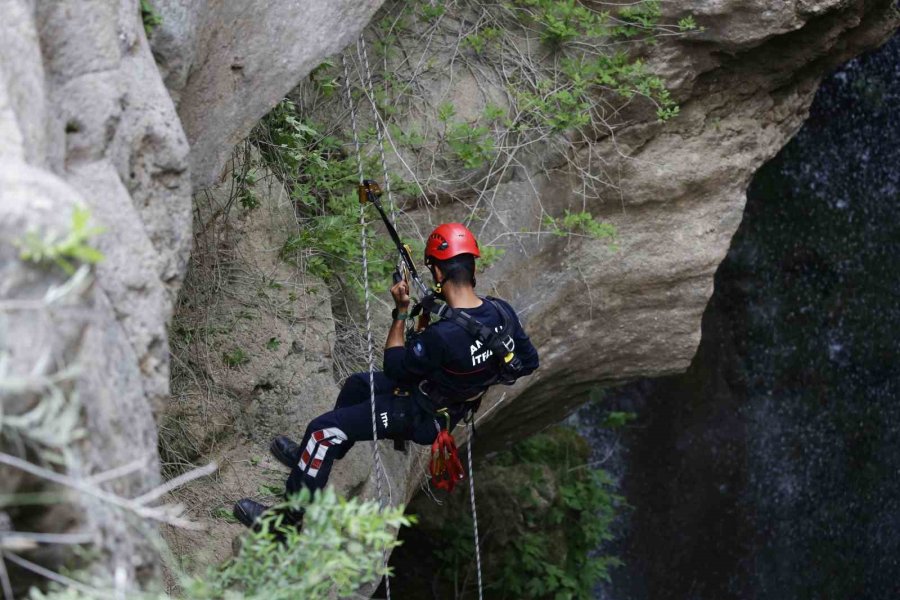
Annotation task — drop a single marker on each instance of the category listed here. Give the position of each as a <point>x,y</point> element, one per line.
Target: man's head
<point>450,253</point>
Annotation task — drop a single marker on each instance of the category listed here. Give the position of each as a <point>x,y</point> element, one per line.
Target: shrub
<point>321,180</point>
<point>340,548</point>
<point>235,357</point>
<point>548,510</point>
<point>65,250</point>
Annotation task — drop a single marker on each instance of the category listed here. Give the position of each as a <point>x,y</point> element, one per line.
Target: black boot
<point>286,450</point>
<point>248,512</point>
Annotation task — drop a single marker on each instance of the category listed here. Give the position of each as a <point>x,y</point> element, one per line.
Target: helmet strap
<point>438,285</point>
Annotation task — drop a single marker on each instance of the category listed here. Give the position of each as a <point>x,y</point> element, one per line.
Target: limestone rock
<point>601,316</point>
<point>85,120</point>
<point>228,63</point>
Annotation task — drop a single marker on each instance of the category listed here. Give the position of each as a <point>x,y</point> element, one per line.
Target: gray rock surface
<point>228,62</point>
<point>600,317</point>
<point>85,119</point>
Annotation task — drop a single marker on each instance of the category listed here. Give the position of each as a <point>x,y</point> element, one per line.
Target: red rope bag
<point>445,467</point>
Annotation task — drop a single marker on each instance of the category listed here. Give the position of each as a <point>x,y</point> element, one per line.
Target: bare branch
<point>4,581</point>
<point>164,514</point>
<point>54,576</point>
<point>176,483</point>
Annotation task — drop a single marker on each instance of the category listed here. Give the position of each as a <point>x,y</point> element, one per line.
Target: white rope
<point>363,55</point>
<point>379,131</point>
<point>474,512</point>
<point>370,353</point>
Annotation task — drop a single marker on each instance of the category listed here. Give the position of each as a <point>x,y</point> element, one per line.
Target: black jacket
<point>454,363</point>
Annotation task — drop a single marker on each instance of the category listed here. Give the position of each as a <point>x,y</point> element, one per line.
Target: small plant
<point>489,255</point>
<point>687,23</point>
<point>224,513</point>
<point>323,79</point>
<point>271,489</point>
<point>431,12</point>
<point>493,112</point>
<point>618,419</point>
<point>235,357</point>
<point>479,41</point>
<point>244,183</point>
<point>581,223</point>
<point>639,18</point>
<point>560,110</point>
<point>446,111</point>
<point>410,137</point>
<point>64,251</point>
<point>472,145</point>
<point>149,17</point>
<point>273,344</point>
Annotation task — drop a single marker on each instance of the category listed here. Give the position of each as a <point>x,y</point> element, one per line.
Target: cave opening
<point>769,469</point>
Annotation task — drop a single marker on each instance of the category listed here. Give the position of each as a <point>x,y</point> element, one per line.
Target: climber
<point>445,366</point>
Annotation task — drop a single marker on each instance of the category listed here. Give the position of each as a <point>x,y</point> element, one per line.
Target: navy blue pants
<point>331,435</point>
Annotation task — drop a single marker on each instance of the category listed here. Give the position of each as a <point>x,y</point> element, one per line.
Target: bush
<point>321,180</point>
<point>556,555</point>
<point>547,510</point>
<point>340,549</point>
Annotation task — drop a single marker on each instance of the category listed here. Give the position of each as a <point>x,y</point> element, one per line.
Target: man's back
<point>456,364</point>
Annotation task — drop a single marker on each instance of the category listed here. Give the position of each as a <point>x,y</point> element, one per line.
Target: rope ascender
<point>445,467</point>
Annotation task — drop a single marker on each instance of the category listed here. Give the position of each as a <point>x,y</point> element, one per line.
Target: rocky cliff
<point>753,473</point>
<point>744,85</point>
<point>91,115</point>
<point>86,120</point>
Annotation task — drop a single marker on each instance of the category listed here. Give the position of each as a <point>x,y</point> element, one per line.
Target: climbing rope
<point>370,353</point>
<point>363,56</point>
<point>379,132</point>
<point>472,499</point>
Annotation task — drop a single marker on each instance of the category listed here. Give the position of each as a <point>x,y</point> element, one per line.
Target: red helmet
<point>449,240</point>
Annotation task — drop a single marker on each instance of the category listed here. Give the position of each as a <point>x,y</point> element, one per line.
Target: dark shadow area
<point>771,469</point>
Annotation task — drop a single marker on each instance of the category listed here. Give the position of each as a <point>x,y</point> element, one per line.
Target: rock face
<point>228,63</point>
<point>744,85</point>
<point>87,116</point>
<point>85,119</point>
